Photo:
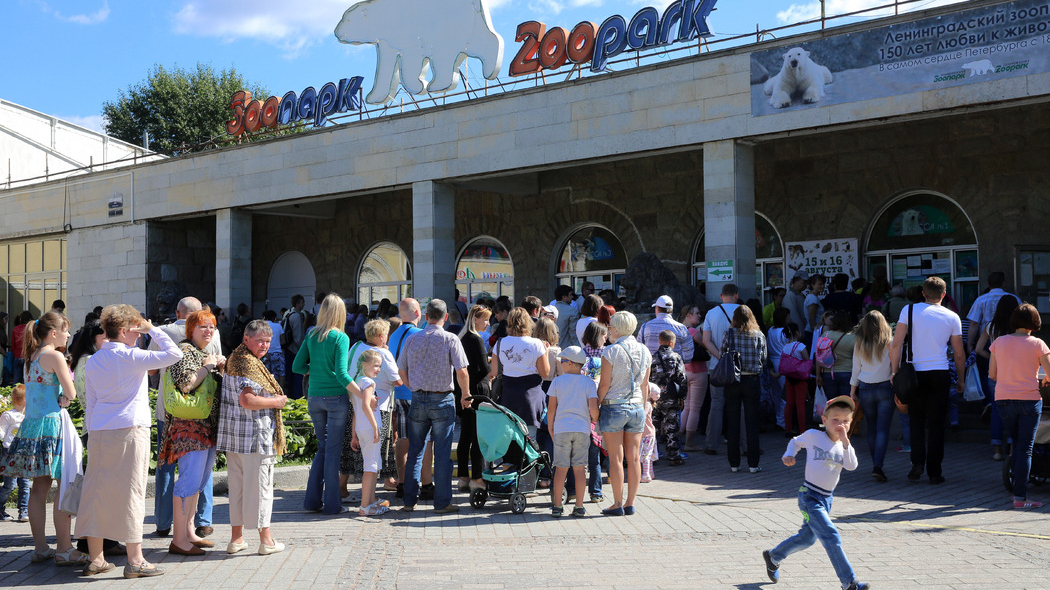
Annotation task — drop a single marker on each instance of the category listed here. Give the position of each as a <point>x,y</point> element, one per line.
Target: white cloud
<point>290,27</point>
<point>811,10</point>
<point>92,122</point>
<point>81,19</point>
<point>546,6</point>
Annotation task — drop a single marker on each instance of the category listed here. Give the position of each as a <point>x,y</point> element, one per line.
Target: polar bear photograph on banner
<point>798,76</point>
<point>412,36</point>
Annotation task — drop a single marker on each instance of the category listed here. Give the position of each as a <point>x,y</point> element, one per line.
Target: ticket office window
<point>484,269</point>
<point>592,254</point>
<point>384,274</point>
<point>924,235</point>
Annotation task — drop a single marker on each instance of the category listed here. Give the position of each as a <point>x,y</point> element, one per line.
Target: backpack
<point>593,367</point>
<point>824,356</point>
<point>286,334</point>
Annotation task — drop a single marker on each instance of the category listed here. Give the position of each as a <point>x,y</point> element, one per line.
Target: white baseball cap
<point>664,301</point>
<point>551,310</point>
<point>574,354</point>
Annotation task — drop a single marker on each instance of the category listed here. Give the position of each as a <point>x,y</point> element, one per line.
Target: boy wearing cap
<point>572,407</point>
<point>827,454</point>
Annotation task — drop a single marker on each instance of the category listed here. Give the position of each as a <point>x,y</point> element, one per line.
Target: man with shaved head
<point>165,475</point>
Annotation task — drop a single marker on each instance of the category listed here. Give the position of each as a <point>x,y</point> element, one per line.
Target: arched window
<point>769,257</point>
<point>384,274</point>
<point>924,234</point>
<point>592,254</point>
<point>484,269</point>
<point>291,274</point>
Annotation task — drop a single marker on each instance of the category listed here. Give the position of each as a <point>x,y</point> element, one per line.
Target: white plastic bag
<point>820,399</point>
<point>973,392</point>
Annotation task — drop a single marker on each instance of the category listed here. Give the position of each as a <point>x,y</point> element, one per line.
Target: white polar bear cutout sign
<point>799,74</point>
<point>410,34</point>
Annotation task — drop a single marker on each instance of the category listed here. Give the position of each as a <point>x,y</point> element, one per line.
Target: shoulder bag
<point>906,382</point>
<point>195,405</point>
<point>727,371</point>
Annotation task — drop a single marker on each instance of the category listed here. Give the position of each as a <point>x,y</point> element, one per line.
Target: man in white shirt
<point>934,328</point>
<point>165,474</point>
<point>567,317</point>
<point>716,322</point>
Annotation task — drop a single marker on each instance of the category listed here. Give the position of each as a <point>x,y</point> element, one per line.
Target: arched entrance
<point>291,274</point>
<point>484,268</point>
<point>384,274</point>
<point>922,234</point>
<point>592,254</point>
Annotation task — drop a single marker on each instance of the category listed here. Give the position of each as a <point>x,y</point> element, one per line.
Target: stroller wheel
<point>478,498</point>
<point>1008,475</point>
<point>518,503</point>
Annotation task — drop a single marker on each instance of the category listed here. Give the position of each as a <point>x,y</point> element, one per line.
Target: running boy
<point>366,432</point>
<point>827,454</point>
<point>572,407</point>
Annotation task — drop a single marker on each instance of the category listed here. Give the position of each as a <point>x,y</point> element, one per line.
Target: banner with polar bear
<point>977,45</point>
<point>826,257</point>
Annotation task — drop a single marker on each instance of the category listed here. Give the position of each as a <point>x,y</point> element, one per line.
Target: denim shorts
<point>621,418</point>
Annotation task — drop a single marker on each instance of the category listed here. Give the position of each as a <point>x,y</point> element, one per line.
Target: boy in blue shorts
<point>826,455</point>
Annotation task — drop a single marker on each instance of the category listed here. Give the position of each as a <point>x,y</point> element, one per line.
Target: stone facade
<point>181,262</point>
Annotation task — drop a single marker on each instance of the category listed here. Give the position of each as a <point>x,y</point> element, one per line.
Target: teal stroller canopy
<point>498,428</point>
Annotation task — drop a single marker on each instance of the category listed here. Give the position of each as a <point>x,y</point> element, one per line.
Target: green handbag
<point>195,405</point>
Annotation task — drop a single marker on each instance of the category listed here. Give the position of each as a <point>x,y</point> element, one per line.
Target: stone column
<point>729,214</point>
<point>434,245</point>
<point>233,259</point>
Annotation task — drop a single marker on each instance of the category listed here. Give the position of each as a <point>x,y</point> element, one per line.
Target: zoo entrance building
<point>926,154</point>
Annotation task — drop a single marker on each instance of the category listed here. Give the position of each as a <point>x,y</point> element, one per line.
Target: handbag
<point>727,371</point>
<point>794,367</point>
<point>195,405</point>
<point>906,382</point>
<point>70,502</point>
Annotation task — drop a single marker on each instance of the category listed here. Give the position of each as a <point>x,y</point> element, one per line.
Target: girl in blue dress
<point>36,451</point>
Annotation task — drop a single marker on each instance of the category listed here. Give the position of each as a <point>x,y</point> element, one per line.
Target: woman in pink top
<point>695,378</point>
<point>1014,365</point>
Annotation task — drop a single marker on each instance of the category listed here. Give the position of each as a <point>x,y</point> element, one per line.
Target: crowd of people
<point>386,386</point>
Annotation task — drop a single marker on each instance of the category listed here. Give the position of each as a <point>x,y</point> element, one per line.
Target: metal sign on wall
<point>977,45</point>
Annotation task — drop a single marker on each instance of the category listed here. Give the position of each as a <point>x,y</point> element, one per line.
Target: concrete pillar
<point>434,245</point>
<point>729,215</point>
<point>233,259</point>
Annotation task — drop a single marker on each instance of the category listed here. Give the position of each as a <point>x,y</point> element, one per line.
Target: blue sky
<point>65,57</point>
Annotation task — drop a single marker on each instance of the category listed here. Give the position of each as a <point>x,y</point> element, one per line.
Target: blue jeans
<point>1020,421</point>
<point>329,415</point>
<point>434,415</point>
<point>23,494</point>
<point>164,488</point>
<point>876,399</point>
<point>817,526</point>
<point>837,384</point>
<point>194,472</point>
<point>594,472</point>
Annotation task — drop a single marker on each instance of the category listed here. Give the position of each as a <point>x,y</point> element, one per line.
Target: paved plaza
<point>698,526</point>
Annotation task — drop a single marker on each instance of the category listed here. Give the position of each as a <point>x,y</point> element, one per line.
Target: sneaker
<point>676,462</point>
<point>997,456</point>
<point>1027,504</point>
<point>143,570</point>
<point>915,473</point>
<point>426,491</point>
<point>734,469</point>
<point>579,512</point>
<point>772,569</point>
<point>23,517</point>
<point>859,586</point>
<point>596,498</point>
<point>754,469</point>
<point>904,449</point>
<point>557,511</point>
<point>4,517</point>
<point>879,474</point>
<point>408,508</point>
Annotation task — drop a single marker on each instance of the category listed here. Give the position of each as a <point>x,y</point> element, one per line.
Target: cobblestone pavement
<point>697,526</point>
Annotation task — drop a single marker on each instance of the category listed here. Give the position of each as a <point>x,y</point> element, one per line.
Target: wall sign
<point>978,45</point>
<point>826,257</point>
<point>413,35</point>
<point>720,271</point>
<point>543,49</point>
<point>251,115</point>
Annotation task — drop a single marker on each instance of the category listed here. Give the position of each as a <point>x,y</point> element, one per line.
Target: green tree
<point>182,110</point>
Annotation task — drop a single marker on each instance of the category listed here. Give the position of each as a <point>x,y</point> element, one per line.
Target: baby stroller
<point>503,437</point>
<point>1040,472</point>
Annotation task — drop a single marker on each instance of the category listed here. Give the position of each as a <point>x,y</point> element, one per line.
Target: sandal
<point>66,558</point>
<point>42,556</point>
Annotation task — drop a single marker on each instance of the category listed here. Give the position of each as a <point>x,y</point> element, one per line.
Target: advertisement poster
<point>827,257</point>
<point>978,45</point>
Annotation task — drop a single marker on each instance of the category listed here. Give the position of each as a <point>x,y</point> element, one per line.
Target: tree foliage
<point>182,110</point>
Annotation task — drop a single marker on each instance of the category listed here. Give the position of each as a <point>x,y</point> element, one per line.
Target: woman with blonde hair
<point>745,337</point>
<point>622,387</point>
<point>323,356</point>
<point>118,420</point>
<point>524,362</point>
<point>870,384</point>
<point>477,368</point>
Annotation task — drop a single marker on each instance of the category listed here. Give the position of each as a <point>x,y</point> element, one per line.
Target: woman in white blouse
<point>524,361</point>
<point>118,421</point>
<point>870,384</point>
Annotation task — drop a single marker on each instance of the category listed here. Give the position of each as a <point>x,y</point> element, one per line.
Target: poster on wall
<point>826,257</point>
<point>978,45</point>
